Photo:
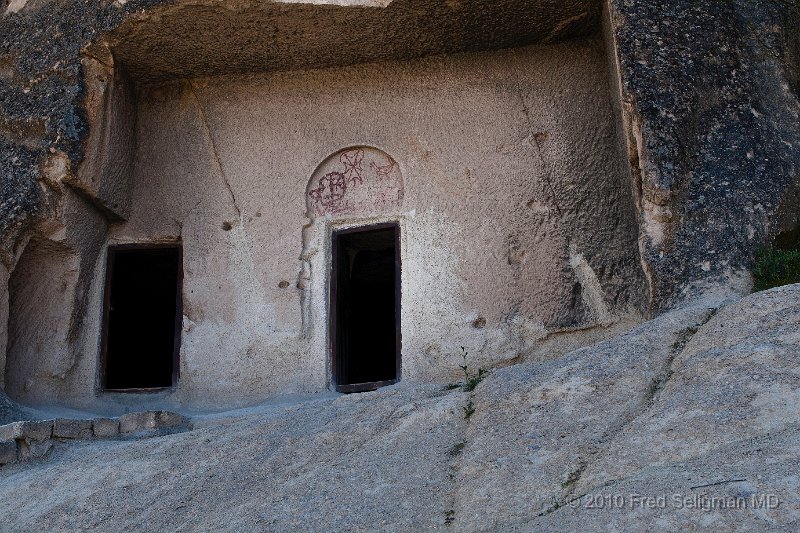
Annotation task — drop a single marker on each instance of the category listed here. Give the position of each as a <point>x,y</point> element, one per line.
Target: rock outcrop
<point>709,95</point>
<point>687,422</point>
<point>11,411</point>
<point>711,92</point>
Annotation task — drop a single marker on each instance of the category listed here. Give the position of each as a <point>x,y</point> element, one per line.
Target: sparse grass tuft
<point>775,267</point>
<point>471,380</point>
<point>456,450</point>
<point>469,410</point>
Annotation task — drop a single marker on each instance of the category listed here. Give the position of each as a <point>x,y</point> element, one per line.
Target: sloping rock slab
<point>637,433</point>
<point>537,426</point>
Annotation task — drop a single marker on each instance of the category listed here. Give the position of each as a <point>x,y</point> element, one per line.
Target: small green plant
<point>456,450</point>
<point>449,516</point>
<point>775,267</point>
<point>572,478</point>
<point>473,382</point>
<point>470,380</point>
<point>555,506</point>
<point>469,410</point>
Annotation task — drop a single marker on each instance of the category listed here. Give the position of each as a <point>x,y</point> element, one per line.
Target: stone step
<point>20,441</point>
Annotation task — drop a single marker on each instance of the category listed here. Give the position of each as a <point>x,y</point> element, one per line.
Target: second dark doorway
<point>365,307</point>
<point>142,317</point>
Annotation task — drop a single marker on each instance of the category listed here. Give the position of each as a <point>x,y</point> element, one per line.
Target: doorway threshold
<point>364,387</point>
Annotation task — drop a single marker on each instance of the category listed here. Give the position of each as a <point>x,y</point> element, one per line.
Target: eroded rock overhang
<point>190,39</point>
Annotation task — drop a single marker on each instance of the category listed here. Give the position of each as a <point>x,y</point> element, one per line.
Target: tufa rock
<point>66,428</point>
<point>105,428</point>
<point>27,431</point>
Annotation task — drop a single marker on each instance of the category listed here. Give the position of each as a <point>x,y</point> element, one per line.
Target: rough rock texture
<point>11,411</point>
<point>43,79</point>
<point>689,406</point>
<point>503,169</point>
<point>710,90</point>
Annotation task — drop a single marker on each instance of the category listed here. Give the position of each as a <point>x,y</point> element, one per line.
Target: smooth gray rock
<point>738,378</point>
<point>536,427</point>
<point>683,411</point>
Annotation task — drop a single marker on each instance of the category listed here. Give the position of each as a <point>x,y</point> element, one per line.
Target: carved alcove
<point>354,201</point>
<point>356,182</point>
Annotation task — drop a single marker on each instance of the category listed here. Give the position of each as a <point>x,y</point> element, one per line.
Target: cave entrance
<point>365,307</point>
<point>142,313</point>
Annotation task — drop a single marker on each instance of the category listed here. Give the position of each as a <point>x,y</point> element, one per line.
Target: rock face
<point>10,411</point>
<point>571,232</point>
<point>711,90</point>
<point>709,95</point>
<point>687,422</point>
<point>512,198</point>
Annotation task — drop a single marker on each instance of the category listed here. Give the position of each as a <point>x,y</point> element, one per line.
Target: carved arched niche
<point>358,184</point>
<point>358,181</point>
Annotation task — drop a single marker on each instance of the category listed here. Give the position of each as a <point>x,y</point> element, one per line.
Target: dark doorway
<point>365,307</point>
<point>142,313</point>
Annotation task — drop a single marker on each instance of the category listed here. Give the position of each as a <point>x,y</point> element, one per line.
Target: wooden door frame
<point>333,307</point>
<point>111,253</point>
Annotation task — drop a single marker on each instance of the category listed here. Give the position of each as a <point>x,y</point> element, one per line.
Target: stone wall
<point>706,92</point>
<point>503,169</point>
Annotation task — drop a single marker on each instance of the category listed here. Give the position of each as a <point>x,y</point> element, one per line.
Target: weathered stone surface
<point>42,87</point>
<point>169,419</point>
<point>713,155</point>
<point>34,449</point>
<point>135,422</point>
<point>527,163</point>
<point>563,413</point>
<point>712,93</point>
<point>27,430</point>
<point>736,379</point>
<point>716,151</point>
<point>67,428</point>
<point>674,409</point>
<point>8,451</point>
<point>105,427</point>
<point>150,421</point>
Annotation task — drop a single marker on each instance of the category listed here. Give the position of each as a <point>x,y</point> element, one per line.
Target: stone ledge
<point>28,430</point>
<point>66,428</point>
<point>151,421</point>
<point>21,441</point>
<point>105,428</point>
